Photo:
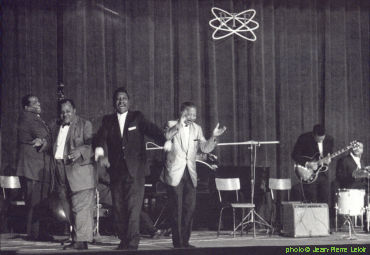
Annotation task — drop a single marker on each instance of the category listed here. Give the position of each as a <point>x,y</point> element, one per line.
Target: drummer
<point>350,172</point>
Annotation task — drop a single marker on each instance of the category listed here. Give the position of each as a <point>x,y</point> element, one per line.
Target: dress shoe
<point>132,248</point>
<point>122,246</point>
<point>76,246</point>
<point>156,234</point>
<point>126,248</point>
<point>189,246</point>
<point>45,238</point>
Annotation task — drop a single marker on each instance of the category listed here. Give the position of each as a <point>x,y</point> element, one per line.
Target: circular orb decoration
<point>240,24</point>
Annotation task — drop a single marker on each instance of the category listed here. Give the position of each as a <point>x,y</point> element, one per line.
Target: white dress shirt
<point>184,134</point>
<point>321,150</point>
<point>121,120</point>
<point>357,160</point>
<point>99,151</point>
<point>61,142</point>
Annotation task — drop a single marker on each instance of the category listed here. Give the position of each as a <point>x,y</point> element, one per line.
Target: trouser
<point>36,193</point>
<point>127,198</point>
<point>146,224</point>
<point>318,191</point>
<point>182,200</point>
<point>78,206</point>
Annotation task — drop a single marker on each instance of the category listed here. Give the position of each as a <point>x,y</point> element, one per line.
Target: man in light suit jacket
<point>75,173</point>
<point>33,165</point>
<point>184,139</point>
<point>121,148</point>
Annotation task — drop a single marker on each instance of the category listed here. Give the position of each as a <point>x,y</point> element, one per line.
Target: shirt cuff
<point>99,152</point>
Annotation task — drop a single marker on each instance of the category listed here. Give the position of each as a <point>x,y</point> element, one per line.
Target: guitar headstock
<point>354,144</point>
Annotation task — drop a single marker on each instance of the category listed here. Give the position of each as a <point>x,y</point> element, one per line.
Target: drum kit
<point>351,203</point>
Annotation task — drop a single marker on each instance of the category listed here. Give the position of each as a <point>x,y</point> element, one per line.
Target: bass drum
<point>351,201</point>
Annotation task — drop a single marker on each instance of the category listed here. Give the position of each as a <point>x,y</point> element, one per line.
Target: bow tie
<point>65,124</point>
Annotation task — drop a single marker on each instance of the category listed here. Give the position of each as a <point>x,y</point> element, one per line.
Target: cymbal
<point>358,174</point>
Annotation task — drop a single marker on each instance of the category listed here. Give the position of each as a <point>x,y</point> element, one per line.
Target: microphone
<point>188,122</point>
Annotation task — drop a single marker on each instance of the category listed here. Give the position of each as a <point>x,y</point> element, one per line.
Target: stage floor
<point>274,244</point>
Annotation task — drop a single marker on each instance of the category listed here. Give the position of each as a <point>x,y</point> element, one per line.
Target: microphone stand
<point>253,217</point>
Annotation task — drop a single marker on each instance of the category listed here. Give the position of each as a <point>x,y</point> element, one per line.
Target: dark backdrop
<point>310,64</point>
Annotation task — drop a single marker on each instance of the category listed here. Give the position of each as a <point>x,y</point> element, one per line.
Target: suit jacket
<point>345,167</point>
<point>306,146</point>
<point>32,162</point>
<point>81,173</point>
<point>130,148</point>
<point>178,157</point>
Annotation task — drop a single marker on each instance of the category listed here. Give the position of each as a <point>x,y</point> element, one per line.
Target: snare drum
<point>351,201</point>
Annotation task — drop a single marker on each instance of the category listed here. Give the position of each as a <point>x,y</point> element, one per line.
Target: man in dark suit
<point>315,144</point>
<point>75,173</point>
<point>346,167</point>
<point>33,165</point>
<point>121,149</point>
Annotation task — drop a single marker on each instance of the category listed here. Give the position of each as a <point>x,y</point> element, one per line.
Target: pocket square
<point>131,128</point>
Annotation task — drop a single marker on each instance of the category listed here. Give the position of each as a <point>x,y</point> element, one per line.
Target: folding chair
<point>230,184</point>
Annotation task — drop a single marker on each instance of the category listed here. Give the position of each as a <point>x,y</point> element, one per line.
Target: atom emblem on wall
<point>226,24</point>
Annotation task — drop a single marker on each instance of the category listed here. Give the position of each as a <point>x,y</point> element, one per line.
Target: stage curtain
<point>28,65</point>
<point>310,64</point>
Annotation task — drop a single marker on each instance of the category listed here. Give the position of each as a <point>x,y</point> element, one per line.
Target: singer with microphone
<point>184,139</point>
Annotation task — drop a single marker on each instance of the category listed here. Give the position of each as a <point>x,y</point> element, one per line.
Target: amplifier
<point>305,220</point>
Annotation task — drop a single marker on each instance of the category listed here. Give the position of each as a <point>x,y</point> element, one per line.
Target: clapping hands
<point>37,142</point>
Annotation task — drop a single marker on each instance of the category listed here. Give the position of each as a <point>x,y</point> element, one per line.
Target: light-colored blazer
<point>81,174</point>
<point>177,158</point>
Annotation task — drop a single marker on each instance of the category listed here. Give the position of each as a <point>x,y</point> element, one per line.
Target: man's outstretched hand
<point>218,131</point>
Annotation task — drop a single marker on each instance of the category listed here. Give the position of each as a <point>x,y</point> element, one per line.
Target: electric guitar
<point>315,165</point>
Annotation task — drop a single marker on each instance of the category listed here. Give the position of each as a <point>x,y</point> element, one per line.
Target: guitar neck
<point>341,151</point>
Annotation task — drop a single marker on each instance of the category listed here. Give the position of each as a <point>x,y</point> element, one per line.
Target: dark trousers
<point>319,191</point>
<point>146,224</point>
<point>182,204</point>
<point>127,198</point>
<point>36,193</point>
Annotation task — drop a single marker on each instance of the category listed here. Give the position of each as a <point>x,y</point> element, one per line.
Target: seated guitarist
<point>310,147</point>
